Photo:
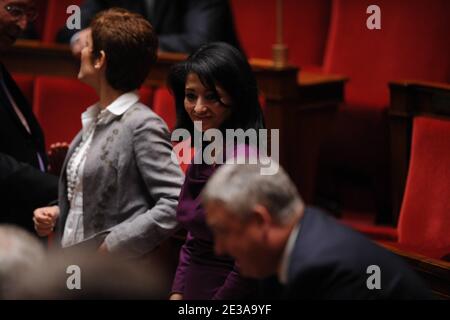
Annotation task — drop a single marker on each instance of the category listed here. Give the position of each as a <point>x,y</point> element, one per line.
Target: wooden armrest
<point>435,272</point>
<point>422,84</point>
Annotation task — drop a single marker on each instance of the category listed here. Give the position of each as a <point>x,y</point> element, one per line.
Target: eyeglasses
<point>19,12</point>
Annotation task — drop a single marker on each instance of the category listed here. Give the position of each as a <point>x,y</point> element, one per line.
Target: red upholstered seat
<point>412,44</point>
<point>305,28</point>
<point>58,104</point>
<point>164,106</point>
<point>146,95</point>
<point>424,224</point>
<point>26,84</point>
<point>56,17</point>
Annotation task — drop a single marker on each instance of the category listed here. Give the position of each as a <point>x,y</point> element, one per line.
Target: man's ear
<point>100,61</point>
<point>261,215</point>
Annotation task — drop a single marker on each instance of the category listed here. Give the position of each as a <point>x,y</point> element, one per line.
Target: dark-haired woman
<point>119,187</point>
<point>214,87</point>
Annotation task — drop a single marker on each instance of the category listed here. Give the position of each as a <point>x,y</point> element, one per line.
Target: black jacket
<point>330,261</point>
<point>23,187</point>
<point>181,25</point>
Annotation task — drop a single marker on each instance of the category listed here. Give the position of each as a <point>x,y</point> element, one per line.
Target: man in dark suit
<point>20,134</point>
<point>181,25</point>
<point>23,188</point>
<point>262,222</point>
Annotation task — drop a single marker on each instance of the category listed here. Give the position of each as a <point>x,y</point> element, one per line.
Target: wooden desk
<point>301,105</point>
<point>436,273</point>
<point>410,98</point>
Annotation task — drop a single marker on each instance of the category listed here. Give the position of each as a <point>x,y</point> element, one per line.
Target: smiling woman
<point>214,87</point>
<point>210,106</point>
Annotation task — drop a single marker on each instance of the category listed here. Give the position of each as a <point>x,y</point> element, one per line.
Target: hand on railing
<point>56,156</point>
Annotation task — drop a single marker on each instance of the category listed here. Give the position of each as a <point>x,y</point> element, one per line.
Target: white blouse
<point>74,229</point>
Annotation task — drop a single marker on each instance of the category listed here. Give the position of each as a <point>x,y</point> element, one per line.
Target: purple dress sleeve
<point>183,264</point>
<point>235,286</point>
<point>200,273</point>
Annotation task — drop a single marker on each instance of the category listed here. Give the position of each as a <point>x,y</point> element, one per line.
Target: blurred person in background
<point>181,25</point>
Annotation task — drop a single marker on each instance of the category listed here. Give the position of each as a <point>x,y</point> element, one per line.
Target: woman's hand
<point>176,296</point>
<point>45,219</point>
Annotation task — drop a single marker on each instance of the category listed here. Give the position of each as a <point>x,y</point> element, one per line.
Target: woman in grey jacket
<point>119,187</point>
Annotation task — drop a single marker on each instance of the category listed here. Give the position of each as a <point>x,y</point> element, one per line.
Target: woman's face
<point>88,73</point>
<point>203,104</point>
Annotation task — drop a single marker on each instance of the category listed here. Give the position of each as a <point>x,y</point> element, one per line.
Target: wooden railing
<point>436,273</point>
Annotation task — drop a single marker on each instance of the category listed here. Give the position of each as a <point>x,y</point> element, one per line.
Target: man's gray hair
<point>239,187</point>
<point>20,252</point>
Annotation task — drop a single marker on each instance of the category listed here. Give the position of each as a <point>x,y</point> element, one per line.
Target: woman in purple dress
<point>214,86</point>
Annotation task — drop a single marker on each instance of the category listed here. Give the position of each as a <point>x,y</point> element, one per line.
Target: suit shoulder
<point>140,115</point>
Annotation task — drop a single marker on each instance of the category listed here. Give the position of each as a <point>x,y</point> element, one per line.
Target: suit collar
<point>287,253</point>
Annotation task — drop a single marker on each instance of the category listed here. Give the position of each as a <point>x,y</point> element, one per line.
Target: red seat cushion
<point>374,232</point>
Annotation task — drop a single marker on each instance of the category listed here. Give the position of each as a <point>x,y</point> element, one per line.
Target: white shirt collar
<point>116,108</point>
<point>123,103</point>
<point>283,270</point>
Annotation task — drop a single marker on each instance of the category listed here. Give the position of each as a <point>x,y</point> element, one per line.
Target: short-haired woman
<point>119,187</point>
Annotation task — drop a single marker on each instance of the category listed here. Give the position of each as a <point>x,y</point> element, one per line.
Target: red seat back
<point>146,95</point>
<point>425,214</point>
<point>413,43</point>
<point>58,104</point>
<point>305,28</point>
<point>56,17</point>
<point>164,106</point>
